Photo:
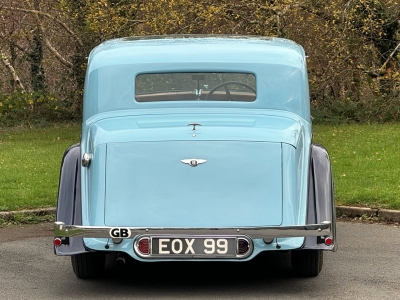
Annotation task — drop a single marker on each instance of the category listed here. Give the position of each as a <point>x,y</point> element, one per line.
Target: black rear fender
<point>321,200</point>
<point>69,205</point>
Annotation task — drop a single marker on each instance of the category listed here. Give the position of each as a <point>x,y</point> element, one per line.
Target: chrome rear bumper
<point>324,229</point>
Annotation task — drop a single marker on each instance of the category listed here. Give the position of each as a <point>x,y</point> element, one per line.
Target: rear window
<point>195,86</point>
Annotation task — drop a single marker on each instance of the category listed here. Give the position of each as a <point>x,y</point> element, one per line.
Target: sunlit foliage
<point>353,46</point>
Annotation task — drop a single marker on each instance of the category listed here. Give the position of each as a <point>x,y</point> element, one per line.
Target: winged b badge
<point>193,162</point>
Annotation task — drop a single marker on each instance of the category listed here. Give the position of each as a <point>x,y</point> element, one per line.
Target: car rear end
<point>196,157</point>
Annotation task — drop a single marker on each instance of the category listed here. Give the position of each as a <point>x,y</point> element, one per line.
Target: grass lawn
<point>30,165</point>
<point>365,161</point>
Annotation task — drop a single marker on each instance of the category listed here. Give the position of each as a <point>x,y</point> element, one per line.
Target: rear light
<point>328,241</point>
<point>57,242</point>
<point>144,246</point>
<point>243,246</point>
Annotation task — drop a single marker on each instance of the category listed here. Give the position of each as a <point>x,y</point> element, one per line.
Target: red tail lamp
<point>57,242</point>
<point>328,241</point>
<point>144,246</point>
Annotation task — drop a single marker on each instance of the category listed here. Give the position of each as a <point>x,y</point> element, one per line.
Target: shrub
<point>20,108</point>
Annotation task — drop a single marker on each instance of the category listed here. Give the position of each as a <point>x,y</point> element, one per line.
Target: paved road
<point>367,266</point>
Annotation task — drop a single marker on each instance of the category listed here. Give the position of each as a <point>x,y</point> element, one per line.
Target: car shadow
<point>268,273</point>
<point>270,265</point>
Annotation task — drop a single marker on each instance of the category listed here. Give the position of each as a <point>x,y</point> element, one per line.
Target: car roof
<point>196,49</point>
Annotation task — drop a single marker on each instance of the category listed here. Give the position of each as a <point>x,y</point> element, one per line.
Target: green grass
<point>26,218</point>
<point>366,163</point>
<point>30,165</point>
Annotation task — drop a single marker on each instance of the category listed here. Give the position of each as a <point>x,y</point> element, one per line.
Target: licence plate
<point>190,246</point>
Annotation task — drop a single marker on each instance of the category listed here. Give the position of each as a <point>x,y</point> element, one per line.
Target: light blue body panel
<point>151,176</point>
<point>257,153</point>
<point>144,183</point>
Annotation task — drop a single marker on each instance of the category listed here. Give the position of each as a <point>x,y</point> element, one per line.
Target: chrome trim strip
<point>267,232</point>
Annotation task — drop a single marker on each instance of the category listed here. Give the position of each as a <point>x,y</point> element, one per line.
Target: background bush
<point>34,109</point>
<point>352,46</point>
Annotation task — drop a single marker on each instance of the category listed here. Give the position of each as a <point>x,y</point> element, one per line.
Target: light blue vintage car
<point>195,148</point>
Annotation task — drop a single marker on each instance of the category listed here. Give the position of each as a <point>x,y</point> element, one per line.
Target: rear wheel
<point>88,265</point>
<point>307,263</point>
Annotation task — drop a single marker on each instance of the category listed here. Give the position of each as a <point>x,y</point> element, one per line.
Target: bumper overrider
<point>169,240</point>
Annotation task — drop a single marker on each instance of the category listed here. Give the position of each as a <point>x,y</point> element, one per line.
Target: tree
<point>352,45</point>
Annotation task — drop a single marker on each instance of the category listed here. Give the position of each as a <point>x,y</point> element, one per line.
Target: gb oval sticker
<point>118,232</point>
<point>193,162</point>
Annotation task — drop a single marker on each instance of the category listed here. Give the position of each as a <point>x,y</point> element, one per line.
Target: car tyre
<point>88,265</point>
<point>307,263</point>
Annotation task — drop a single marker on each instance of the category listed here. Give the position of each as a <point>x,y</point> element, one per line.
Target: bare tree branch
<point>12,71</point>
<point>381,71</point>
<point>62,24</point>
<point>390,56</point>
<point>57,54</point>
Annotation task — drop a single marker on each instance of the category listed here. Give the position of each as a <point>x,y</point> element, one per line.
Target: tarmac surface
<point>366,266</point>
